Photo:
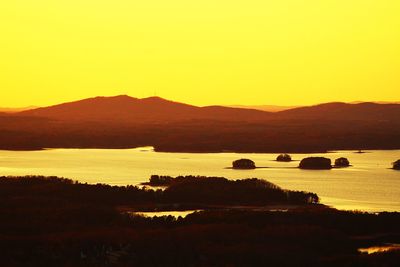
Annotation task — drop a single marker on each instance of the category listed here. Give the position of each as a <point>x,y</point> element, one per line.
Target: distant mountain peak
<point>154,98</point>
<point>117,97</point>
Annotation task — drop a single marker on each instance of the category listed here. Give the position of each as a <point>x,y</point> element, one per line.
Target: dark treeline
<point>201,136</point>
<point>58,222</point>
<point>183,189</point>
<point>218,190</point>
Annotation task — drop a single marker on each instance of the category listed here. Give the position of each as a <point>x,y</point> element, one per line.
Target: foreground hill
<point>58,222</point>
<point>126,122</point>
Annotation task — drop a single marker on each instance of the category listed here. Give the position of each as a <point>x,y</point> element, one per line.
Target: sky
<point>248,52</point>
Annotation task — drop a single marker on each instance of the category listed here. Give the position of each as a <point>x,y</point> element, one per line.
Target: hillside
<point>60,222</point>
<point>126,122</point>
<point>126,109</point>
<point>147,110</point>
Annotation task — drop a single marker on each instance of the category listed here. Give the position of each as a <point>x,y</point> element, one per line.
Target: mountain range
<point>127,109</point>
<point>126,122</point>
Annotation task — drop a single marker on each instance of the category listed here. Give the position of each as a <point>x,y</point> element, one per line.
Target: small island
<point>284,158</point>
<point>342,162</point>
<point>159,181</point>
<point>315,163</point>
<point>243,164</point>
<point>396,165</point>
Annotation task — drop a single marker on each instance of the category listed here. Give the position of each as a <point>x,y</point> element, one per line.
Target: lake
<point>369,185</point>
<point>175,214</point>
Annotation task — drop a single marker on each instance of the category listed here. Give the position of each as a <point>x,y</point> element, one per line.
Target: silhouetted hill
<point>158,110</point>
<point>343,111</point>
<point>126,122</point>
<point>128,109</point>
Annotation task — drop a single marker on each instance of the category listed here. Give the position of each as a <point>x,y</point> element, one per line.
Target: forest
<point>316,135</point>
<point>50,221</point>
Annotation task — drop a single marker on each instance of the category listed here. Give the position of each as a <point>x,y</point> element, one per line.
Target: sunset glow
<point>289,52</point>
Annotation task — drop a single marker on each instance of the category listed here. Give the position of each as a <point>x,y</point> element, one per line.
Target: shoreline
<point>211,151</point>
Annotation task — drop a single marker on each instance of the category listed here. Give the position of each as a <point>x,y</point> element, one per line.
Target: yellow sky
<point>286,52</point>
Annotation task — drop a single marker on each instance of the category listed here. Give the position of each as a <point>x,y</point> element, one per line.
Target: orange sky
<point>287,52</point>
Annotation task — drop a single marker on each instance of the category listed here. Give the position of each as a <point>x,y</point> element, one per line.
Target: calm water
<point>175,214</point>
<point>370,185</point>
<point>378,249</point>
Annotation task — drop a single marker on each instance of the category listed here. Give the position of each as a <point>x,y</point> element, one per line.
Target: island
<point>315,163</point>
<point>243,164</point>
<point>284,158</point>
<point>342,162</point>
<point>396,165</point>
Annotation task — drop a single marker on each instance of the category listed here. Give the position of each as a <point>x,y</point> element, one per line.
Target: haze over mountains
<point>15,110</point>
<point>126,122</point>
<point>269,108</point>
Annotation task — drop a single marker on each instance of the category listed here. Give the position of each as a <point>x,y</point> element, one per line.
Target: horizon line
<point>34,106</point>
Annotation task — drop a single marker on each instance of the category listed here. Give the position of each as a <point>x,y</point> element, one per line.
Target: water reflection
<point>176,214</point>
<point>379,249</point>
<point>369,185</point>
